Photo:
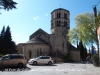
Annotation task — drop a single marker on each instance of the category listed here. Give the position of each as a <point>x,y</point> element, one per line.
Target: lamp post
<point>23,49</point>
<point>95,15</point>
<point>56,55</point>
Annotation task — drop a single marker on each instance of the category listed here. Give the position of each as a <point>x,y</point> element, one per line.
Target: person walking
<point>88,59</point>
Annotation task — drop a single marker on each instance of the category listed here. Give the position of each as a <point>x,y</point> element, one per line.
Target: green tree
<point>85,29</point>
<point>77,46</point>
<point>7,4</point>
<point>2,42</point>
<point>8,39</point>
<point>85,53</point>
<point>81,48</point>
<point>7,46</point>
<point>10,45</point>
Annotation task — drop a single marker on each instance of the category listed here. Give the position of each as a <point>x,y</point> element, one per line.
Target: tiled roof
<point>36,40</point>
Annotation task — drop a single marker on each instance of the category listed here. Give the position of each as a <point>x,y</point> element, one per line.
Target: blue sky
<point>31,15</point>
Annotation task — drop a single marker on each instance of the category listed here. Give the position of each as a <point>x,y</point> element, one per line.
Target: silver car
<point>41,60</point>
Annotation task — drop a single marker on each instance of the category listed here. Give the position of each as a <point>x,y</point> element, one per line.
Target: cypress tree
<point>77,46</point>
<point>85,53</point>
<point>2,41</point>
<point>8,39</point>
<point>81,48</point>
<point>9,45</point>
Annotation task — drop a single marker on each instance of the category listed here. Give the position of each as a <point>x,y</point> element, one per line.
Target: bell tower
<point>60,23</point>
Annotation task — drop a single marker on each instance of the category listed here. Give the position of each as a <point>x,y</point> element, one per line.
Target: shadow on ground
<point>14,69</point>
<point>44,65</point>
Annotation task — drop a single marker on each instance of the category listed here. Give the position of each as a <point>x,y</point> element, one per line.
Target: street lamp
<point>23,48</point>
<point>95,15</point>
<point>56,55</point>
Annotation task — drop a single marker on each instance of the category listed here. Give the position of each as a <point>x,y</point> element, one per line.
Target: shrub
<point>1,55</point>
<point>95,59</point>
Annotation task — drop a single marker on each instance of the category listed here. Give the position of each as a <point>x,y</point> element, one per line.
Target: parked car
<point>41,60</point>
<point>13,60</point>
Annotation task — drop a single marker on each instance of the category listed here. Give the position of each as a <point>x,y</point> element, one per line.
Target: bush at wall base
<point>95,59</point>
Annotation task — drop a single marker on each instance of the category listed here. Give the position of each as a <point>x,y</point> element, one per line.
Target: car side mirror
<point>1,58</point>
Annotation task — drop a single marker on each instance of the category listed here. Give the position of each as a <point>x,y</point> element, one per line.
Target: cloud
<point>36,18</point>
<point>46,14</point>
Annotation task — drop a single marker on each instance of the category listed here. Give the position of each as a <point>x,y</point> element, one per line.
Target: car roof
<point>14,54</point>
<point>44,56</point>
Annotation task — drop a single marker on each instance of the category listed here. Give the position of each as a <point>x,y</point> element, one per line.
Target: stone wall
<point>57,60</point>
<point>34,48</point>
<point>98,32</point>
<point>75,56</point>
<point>20,48</point>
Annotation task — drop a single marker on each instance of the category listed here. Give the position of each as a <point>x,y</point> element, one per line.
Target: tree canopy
<point>7,46</point>
<point>85,29</point>
<point>7,4</point>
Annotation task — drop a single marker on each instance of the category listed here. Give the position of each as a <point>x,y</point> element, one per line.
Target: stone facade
<point>42,43</point>
<point>98,33</point>
<point>74,55</point>
<point>32,50</point>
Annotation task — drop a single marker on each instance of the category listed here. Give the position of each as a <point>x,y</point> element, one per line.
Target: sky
<point>31,15</point>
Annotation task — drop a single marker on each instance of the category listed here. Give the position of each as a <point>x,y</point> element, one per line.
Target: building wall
<point>75,56</point>
<point>98,32</point>
<point>20,48</point>
<point>34,48</point>
<point>59,36</point>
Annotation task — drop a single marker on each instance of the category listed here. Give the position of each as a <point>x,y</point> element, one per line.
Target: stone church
<point>55,44</point>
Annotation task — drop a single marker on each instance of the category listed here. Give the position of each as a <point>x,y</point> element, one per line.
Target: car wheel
<point>34,63</point>
<point>49,63</point>
<point>20,65</point>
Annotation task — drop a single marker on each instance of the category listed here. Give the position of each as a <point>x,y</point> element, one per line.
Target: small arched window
<point>58,23</point>
<point>65,16</point>
<point>59,15</point>
<point>65,24</point>
<point>52,25</point>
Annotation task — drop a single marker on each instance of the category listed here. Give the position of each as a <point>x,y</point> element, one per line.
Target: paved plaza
<point>56,69</point>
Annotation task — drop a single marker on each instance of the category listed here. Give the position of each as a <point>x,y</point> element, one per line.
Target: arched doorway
<point>30,54</point>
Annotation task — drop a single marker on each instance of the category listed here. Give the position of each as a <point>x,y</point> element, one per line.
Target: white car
<point>41,60</point>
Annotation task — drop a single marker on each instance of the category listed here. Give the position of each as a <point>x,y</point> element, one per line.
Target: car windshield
<point>37,58</point>
<point>0,58</point>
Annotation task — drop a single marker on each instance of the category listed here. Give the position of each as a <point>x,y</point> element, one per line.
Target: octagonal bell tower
<point>60,23</point>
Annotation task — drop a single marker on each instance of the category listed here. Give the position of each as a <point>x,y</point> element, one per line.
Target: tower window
<point>52,25</point>
<point>58,15</point>
<point>65,24</point>
<point>58,23</point>
<point>65,16</point>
